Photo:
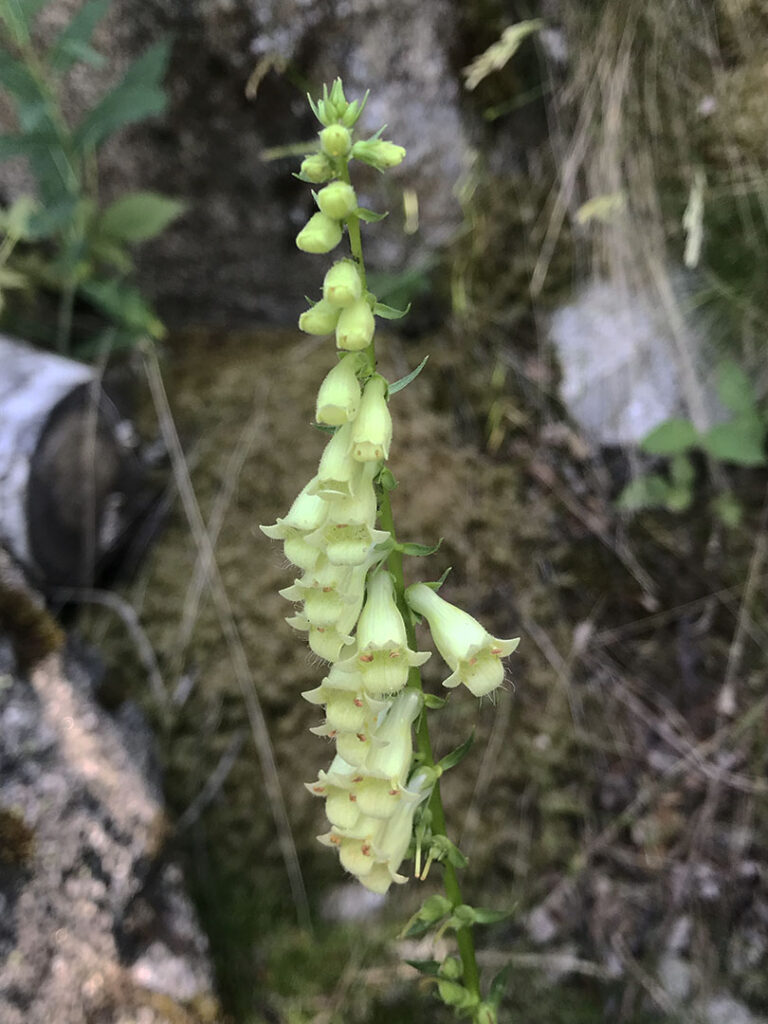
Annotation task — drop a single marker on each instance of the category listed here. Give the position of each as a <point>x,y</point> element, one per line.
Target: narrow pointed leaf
<point>389,312</point>
<point>457,755</point>
<point>428,967</point>
<point>369,216</point>
<point>406,380</point>
<point>73,44</point>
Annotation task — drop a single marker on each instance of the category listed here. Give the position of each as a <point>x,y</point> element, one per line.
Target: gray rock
<point>232,257</point>
<point>94,925</point>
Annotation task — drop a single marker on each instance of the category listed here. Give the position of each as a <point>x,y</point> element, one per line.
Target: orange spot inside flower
<point>357,702</point>
<point>393,792</point>
<point>318,789</point>
<point>496,651</point>
<point>336,840</point>
<point>360,736</point>
<point>473,661</point>
<point>366,658</point>
<point>365,849</point>
<point>358,778</point>
<point>352,797</point>
<point>394,654</point>
<point>327,590</point>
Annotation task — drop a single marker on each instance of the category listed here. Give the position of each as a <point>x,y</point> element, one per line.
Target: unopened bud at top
<point>339,396</point>
<point>342,285</point>
<point>337,200</point>
<point>335,140</point>
<point>317,168</point>
<point>378,153</point>
<point>320,234</point>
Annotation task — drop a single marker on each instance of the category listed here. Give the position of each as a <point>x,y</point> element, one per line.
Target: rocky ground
<point>614,795</point>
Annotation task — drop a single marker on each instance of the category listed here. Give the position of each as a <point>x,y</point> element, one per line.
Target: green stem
<point>464,936</point>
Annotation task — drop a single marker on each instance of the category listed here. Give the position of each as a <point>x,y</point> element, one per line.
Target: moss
<point>17,839</point>
<point>30,628</point>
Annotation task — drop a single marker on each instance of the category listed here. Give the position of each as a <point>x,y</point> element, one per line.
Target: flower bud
<point>378,153</point>
<point>337,200</point>
<point>320,234</point>
<point>317,168</point>
<point>319,319</point>
<point>342,285</point>
<point>335,140</point>
<point>472,653</point>
<point>355,327</point>
<point>372,429</point>
<point>338,399</point>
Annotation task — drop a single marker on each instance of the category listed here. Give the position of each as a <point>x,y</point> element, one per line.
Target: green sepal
<point>386,479</point>
<point>457,755</point>
<point>670,438</point>
<point>442,849</point>
<point>389,312</point>
<point>454,994</point>
<point>433,702</point>
<point>369,216</point>
<point>406,380</point>
<point>465,916</point>
<point>433,910</point>
<point>428,967</point>
<point>418,550</point>
<point>325,427</point>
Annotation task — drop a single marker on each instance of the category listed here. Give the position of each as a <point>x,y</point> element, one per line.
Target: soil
<point>604,789</point>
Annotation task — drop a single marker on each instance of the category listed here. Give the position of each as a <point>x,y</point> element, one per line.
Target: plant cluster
<point>63,240</point>
<point>381,791</point>
<point>739,440</point>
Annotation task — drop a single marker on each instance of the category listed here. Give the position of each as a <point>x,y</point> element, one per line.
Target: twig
<point>213,783</point>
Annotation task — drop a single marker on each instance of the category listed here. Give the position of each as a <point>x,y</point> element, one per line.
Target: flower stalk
<point>382,790</point>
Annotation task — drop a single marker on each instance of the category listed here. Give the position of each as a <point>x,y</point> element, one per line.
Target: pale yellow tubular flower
<point>382,657</point>
<point>319,319</point>
<point>307,513</point>
<point>338,399</point>
<point>372,429</point>
<point>391,844</point>
<point>320,234</point>
<point>468,649</point>
<point>338,475</point>
<point>355,327</point>
<point>349,535</point>
<point>342,284</point>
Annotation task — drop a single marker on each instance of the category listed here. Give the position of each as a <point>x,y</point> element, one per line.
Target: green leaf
<point>734,388</point>
<point>434,702</point>
<point>457,755</point>
<point>670,438</point>
<point>73,44</point>
<point>441,848</point>
<point>139,95</point>
<point>728,510</point>
<point>369,216</point>
<point>644,492</point>
<point>418,550</point>
<point>499,986</point>
<point>124,304</point>
<point>682,471</point>
<point>740,441</point>
<point>483,915</point>
<point>406,380</point>
<point>436,584</point>
<point>428,967</point>
<point>52,219</point>
<point>389,312</point>
<point>679,498</point>
<point>139,216</point>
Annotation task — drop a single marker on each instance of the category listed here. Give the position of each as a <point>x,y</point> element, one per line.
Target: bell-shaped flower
<point>372,429</point>
<point>349,535</point>
<point>391,844</point>
<point>306,514</point>
<point>379,153</point>
<point>335,140</point>
<point>356,844</point>
<point>319,319</point>
<point>327,641</point>
<point>392,751</point>
<point>382,658</point>
<point>335,786</point>
<point>329,592</point>
<point>471,652</point>
<point>320,234</point>
<point>342,285</point>
<point>338,474</point>
<point>337,200</point>
<point>355,327</point>
<point>338,399</point>
<point>316,168</point>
